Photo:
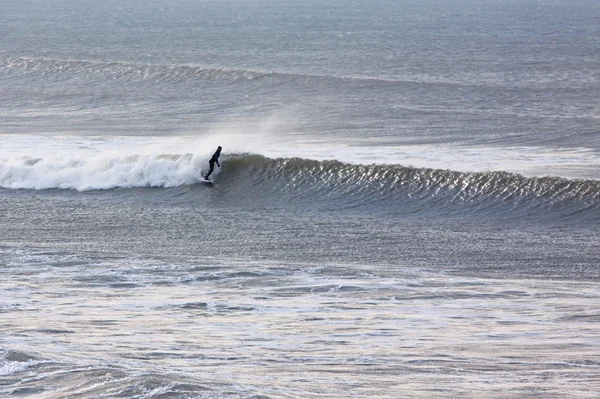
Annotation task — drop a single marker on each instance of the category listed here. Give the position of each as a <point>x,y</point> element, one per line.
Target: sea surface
<point>408,204</point>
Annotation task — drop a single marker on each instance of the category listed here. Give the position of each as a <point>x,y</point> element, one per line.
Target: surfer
<point>215,158</point>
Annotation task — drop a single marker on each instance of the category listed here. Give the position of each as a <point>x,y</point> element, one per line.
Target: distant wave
<point>259,181</point>
<point>122,71</point>
<point>134,72</point>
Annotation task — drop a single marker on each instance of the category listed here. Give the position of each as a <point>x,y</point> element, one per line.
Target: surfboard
<point>205,181</point>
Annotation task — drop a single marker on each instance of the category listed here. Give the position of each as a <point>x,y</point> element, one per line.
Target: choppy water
<point>408,204</point>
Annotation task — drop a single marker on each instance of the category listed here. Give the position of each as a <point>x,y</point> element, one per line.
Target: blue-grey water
<point>408,204</point>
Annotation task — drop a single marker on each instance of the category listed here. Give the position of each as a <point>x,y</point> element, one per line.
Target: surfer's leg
<point>212,165</point>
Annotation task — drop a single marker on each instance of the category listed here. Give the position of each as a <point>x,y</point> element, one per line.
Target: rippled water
<point>207,329</point>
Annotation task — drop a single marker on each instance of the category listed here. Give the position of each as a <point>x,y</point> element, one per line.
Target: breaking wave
<point>415,190</point>
<point>254,180</point>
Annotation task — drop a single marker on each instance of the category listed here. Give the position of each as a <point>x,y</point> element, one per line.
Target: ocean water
<point>408,204</point>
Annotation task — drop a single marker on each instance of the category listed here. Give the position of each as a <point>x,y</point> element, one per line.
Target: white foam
<point>9,368</point>
<point>85,164</point>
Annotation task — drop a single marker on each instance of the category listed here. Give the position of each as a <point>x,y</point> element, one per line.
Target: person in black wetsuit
<point>215,158</point>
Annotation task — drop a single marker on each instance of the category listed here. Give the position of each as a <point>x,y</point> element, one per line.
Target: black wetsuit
<point>215,158</point>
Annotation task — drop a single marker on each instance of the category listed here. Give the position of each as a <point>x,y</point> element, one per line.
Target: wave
<point>124,72</point>
<point>397,188</point>
<point>121,71</point>
<point>255,180</point>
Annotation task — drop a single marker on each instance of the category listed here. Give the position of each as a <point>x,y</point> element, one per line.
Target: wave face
<point>248,180</point>
<point>407,190</point>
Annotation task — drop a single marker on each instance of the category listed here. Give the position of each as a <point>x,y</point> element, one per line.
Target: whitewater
<point>408,203</point>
